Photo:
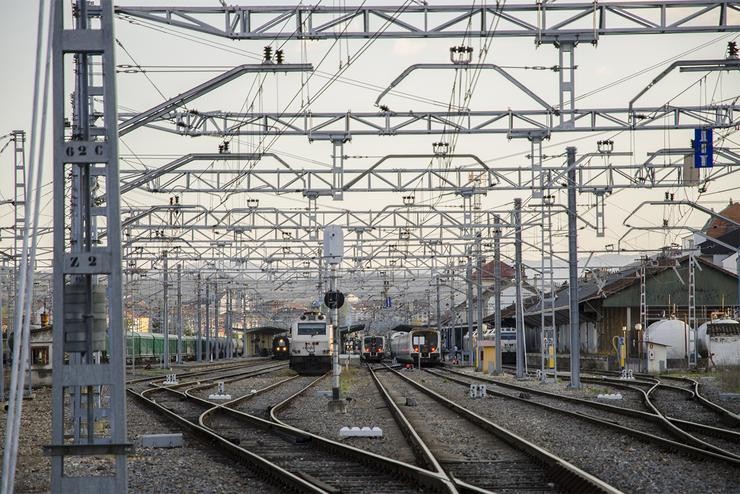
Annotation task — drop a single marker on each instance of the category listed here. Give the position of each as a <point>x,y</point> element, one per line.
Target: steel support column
<point>521,356</point>
<point>199,322</point>
<point>165,313</point>
<point>497,289</point>
<point>178,358</point>
<point>335,342</point>
<point>479,297</point>
<point>92,154</point>
<point>469,307</point>
<point>575,335</point>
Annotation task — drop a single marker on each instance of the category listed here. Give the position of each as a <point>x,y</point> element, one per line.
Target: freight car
<point>144,347</point>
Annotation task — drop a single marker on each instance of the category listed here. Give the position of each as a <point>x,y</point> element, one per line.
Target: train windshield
<point>311,328</point>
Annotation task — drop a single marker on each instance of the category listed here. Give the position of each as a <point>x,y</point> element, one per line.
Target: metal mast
<point>575,335</point>
<point>80,317</point>
<point>521,354</point>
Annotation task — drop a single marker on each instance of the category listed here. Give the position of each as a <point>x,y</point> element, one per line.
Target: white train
<point>373,348</point>
<point>408,348</point>
<point>311,339</point>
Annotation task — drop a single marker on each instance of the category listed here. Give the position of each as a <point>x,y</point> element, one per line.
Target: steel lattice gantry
<point>88,396</point>
<point>544,22</point>
<point>597,172</point>
<point>511,123</point>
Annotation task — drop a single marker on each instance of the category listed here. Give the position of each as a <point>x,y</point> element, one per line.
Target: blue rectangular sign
<point>703,148</point>
<point>387,304</point>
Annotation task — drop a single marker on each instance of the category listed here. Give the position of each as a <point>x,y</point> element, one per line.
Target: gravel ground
<point>617,459</point>
<point>710,389</point>
<point>615,417</point>
<point>466,451</point>
<point>193,468</point>
<point>260,404</point>
<point>679,405</point>
<point>245,385</point>
<point>366,408</point>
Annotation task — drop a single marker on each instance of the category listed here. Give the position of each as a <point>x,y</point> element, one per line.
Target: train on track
<point>150,347</point>
<point>311,339</point>
<point>418,346</point>
<point>280,347</point>
<point>373,348</point>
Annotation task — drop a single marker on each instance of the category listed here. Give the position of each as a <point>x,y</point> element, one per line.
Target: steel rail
<point>271,471</point>
<point>422,451</point>
<point>662,441</point>
<point>392,467</point>
<point>187,373</point>
<point>566,474</point>
<point>668,423</point>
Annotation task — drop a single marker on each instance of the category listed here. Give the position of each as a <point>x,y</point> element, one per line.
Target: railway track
<point>207,377</point>
<point>291,458</point>
<point>640,424</point>
<point>473,452</point>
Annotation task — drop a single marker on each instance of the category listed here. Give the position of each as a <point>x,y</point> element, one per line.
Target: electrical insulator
<point>732,50</point>
<point>279,56</point>
<point>268,53</point>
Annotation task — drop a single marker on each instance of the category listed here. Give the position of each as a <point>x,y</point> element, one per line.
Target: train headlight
<point>434,348</point>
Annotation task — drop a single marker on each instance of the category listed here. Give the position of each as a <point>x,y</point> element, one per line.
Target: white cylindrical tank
<point>670,332</point>
<point>703,338</point>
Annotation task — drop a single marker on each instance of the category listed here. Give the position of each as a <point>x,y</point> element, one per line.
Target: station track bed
<point>286,456</point>
<point>365,407</point>
<point>623,461</point>
<point>463,450</point>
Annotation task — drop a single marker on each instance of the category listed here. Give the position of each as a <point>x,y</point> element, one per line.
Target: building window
<point>40,355</point>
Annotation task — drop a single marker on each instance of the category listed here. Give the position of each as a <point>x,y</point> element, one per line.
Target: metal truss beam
<point>133,122</point>
<point>596,175</point>
<point>512,123</point>
<point>544,22</point>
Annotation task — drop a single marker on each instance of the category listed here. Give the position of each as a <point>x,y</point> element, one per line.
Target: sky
<point>607,64</point>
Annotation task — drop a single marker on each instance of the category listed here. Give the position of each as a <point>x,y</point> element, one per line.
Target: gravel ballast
<point>617,459</point>
<point>193,468</point>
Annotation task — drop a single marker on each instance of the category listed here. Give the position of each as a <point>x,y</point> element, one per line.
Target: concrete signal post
<point>333,254</point>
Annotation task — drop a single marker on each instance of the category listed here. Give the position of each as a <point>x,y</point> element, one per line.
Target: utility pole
<point>179,314</point>
<point>479,296</point>
<point>165,313</point>
<point>521,355</point>
<point>497,289</point>
<point>575,336</point>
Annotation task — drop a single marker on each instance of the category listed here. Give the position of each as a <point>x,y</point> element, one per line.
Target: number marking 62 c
<point>82,150</point>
